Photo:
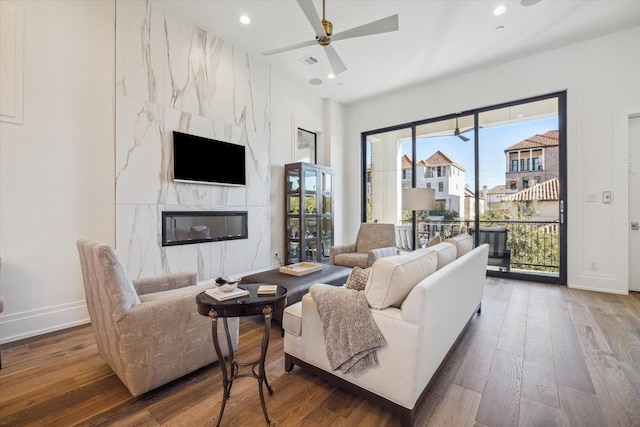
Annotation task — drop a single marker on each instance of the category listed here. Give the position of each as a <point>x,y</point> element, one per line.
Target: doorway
<point>500,168</point>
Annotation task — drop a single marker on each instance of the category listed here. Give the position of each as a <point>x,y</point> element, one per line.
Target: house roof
<point>406,162</point>
<point>549,139</point>
<point>441,159</point>
<point>545,191</point>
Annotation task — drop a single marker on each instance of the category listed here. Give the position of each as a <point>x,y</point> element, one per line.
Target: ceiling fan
<point>456,132</point>
<point>324,33</point>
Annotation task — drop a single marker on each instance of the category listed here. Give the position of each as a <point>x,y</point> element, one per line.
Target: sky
<point>493,141</point>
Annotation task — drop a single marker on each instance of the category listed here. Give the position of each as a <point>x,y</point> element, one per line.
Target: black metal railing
<point>535,245</point>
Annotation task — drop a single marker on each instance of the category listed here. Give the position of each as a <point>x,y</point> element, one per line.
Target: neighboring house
<point>446,176</point>
<point>494,197</point>
<point>470,204</point>
<point>543,198</point>
<point>532,161</point>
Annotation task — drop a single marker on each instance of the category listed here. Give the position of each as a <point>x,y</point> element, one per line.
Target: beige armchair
<point>148,330</point>
<point>374,240</point>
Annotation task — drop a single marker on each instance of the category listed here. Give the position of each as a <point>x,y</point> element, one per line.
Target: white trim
<point>17,326</point>
<point>12,45</point>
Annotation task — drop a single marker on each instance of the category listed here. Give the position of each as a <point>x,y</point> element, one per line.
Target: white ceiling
<point>436,38</point>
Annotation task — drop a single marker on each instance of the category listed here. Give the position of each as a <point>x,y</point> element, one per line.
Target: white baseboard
<point>17,326</point>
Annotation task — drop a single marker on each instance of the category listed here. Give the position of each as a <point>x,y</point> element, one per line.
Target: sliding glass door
<point>498,174</point>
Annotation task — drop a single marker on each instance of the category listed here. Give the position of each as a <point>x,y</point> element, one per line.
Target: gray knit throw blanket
<point>350,333</point>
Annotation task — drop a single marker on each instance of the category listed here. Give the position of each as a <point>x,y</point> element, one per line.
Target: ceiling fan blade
<point>336,63</point>
<point>290,47</point>
<point>310,12</point>
<point>384,25</point>
<point>462,137</point>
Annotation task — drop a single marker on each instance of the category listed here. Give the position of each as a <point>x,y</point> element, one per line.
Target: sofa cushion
<point>445,253</point>
<point>392,278</point>
<point>358,278</point>
<point>463,242</point>
<point>352,259</point>
<point>292,319</point>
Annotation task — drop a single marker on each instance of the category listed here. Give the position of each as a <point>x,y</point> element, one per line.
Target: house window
<point>428,185</point>
<point>514,165</point>
<point>536,163</point>
<point>537,179</point>
<point>441,186</point>
<point>512,184</point>
<point>406,173</point>
<point>525,182</point>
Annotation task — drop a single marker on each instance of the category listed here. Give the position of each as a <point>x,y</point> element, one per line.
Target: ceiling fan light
<point>331,76</point>
<point>500,9</point>
<point>244,19</point>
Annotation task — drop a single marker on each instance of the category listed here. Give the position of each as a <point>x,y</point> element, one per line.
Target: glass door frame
<point>562,152</point>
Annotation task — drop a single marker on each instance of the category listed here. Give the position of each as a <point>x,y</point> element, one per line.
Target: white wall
<point>601,79</point>
<point>56,170</point>
<point>292,107</point>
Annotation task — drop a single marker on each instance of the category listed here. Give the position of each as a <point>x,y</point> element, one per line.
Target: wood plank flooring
<point>538,355</point>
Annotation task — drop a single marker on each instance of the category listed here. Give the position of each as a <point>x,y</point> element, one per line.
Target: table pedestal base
<point>234,365</point>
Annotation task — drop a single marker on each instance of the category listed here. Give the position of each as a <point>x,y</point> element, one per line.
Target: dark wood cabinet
<point>308,212</point>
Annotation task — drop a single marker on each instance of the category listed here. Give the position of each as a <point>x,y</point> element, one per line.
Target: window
<point>406,173</point>
<point>512,184</point>
<point>441,186</point>
<point>514,165</point>
<point>525,182</point>
<point>306,146</point>
<point>428,185</point>
<point>536,163</point>
<point>537,179</point>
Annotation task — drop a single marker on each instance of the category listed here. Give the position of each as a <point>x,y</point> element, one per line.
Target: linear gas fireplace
<point>188,227</point>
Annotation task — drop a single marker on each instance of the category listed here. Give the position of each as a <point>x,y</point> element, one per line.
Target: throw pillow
<point>358,278</point>
<point>463,242</point>
<point>434,241</point>
<point>392,278</point>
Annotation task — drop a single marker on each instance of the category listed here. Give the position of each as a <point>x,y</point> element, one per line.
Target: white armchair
<point>148,330</point>
<point>374,241</point>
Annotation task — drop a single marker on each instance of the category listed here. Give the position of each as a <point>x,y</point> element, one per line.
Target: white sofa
<point>421,302</point>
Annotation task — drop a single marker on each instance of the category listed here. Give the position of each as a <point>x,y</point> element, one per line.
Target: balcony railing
<point>535,245</point>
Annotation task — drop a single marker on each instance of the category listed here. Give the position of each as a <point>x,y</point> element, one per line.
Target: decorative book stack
<point>267,289</point>
<point>223,296</point>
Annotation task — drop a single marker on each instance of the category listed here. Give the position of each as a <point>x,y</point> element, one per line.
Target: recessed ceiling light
<point>315,82</point>
<point>331,76</point>
<point>500,9</point>
<point>245,19</point>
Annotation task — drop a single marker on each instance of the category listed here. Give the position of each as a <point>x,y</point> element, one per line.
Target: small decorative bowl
<point>228,287</point>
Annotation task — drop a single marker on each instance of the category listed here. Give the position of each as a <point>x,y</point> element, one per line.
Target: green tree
<point>533,246</point>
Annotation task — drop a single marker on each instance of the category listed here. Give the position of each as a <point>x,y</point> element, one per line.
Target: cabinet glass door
<point>310,204</point>
<point>326,204</point>
<point>293,204</point>
<point>293,180</point>
<point>293,228</point>
<point>310,180</point>
<point>326,182</point>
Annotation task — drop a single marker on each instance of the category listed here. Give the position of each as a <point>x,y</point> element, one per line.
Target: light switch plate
<point>606,197</point>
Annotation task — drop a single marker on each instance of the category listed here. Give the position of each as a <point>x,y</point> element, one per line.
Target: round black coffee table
<point>250,305</point>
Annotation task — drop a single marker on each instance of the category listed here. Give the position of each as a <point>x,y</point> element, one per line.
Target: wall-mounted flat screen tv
<point>207,161</point>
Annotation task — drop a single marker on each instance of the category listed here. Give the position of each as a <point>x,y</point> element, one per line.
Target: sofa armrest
<point>340,249</point>
<point>165,282</point>
<point>375,254</point>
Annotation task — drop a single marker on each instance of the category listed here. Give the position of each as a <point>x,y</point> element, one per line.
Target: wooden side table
<point>250,305</point>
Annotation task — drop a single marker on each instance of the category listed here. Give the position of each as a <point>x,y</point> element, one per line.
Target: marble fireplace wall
<point>171,75</point>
